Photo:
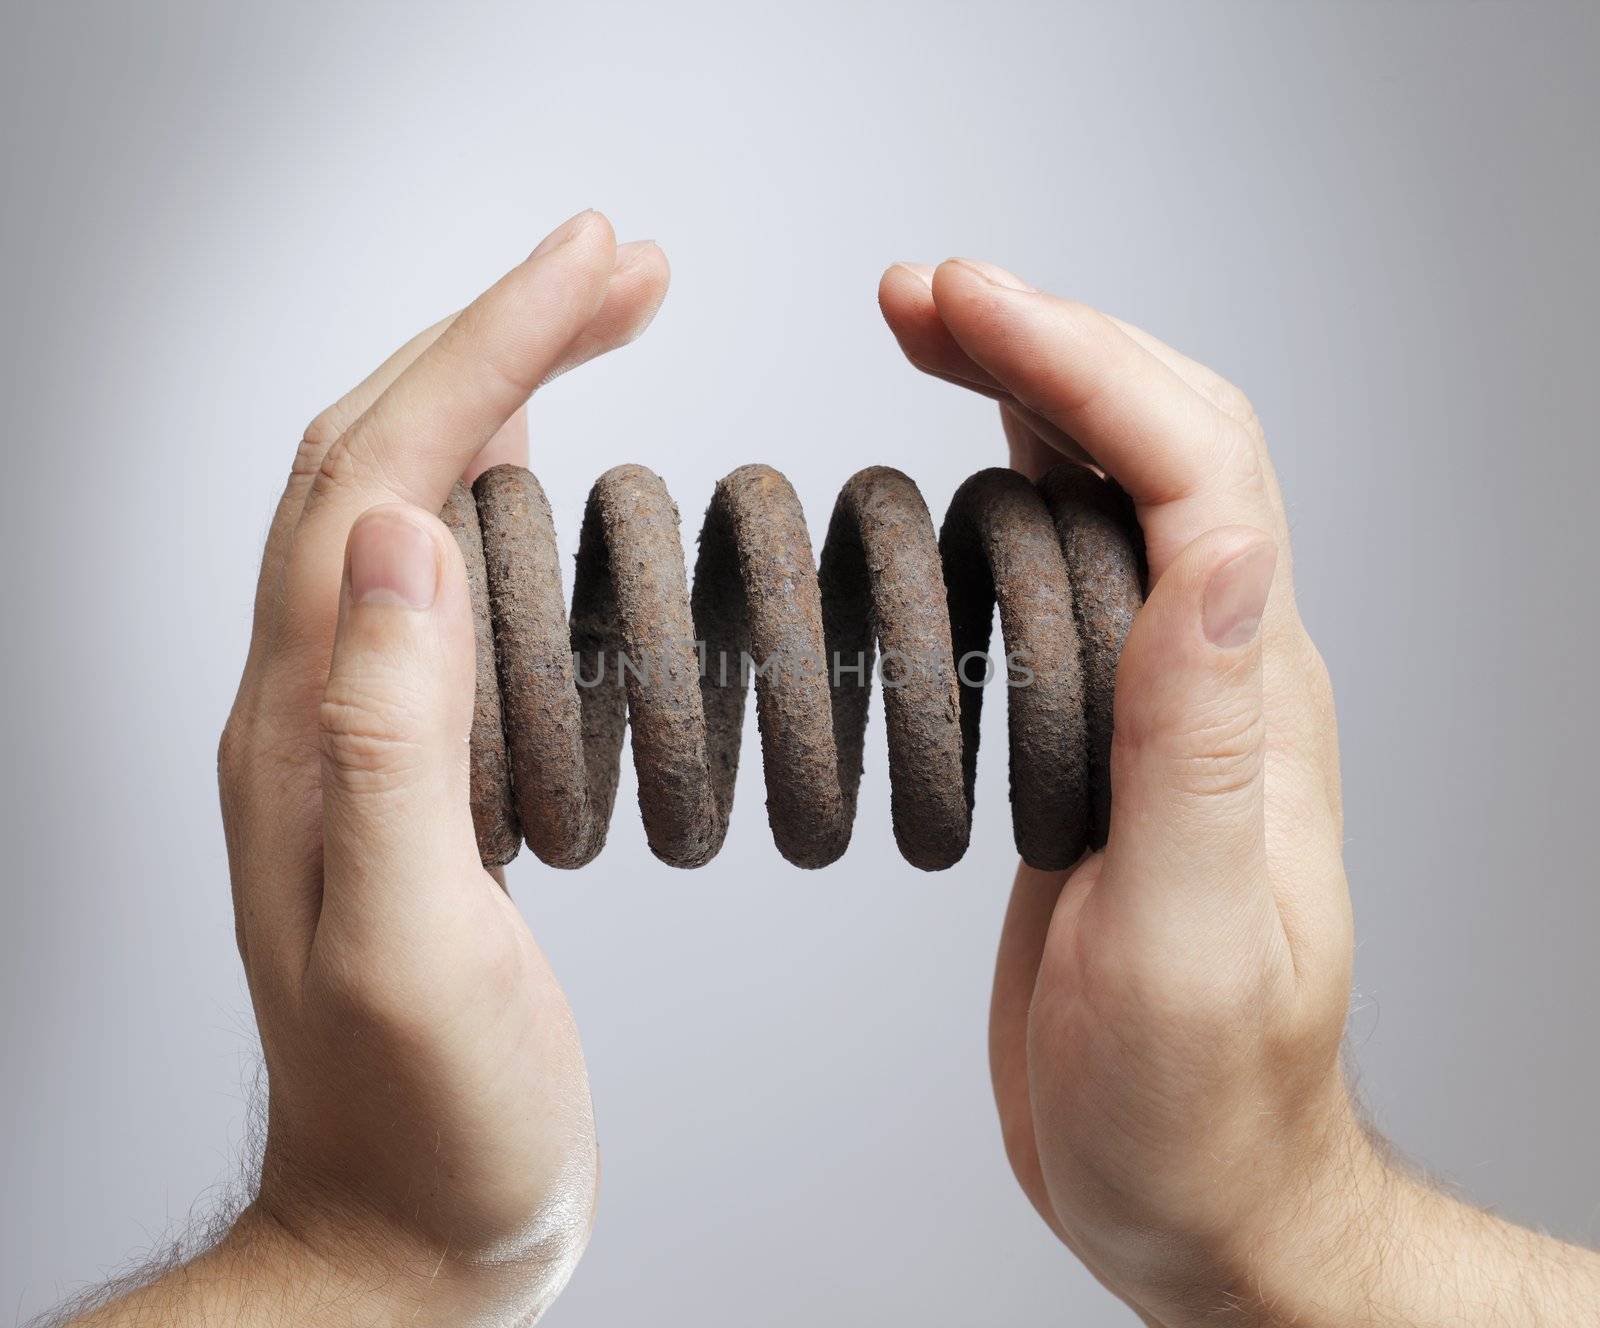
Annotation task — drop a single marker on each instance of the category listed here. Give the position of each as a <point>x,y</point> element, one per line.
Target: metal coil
<point>1062,559</point>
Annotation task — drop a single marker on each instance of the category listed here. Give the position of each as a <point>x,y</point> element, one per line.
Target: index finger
<point>420,435</point>
<point>1188,466</point>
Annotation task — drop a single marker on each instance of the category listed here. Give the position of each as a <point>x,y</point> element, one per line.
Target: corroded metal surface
<point>493,816</point>
<point>1061,560</point>
<point>1093,520</point>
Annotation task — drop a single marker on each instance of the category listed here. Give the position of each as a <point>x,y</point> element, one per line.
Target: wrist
<point>1367,1243</point>
<point>258,1273</point>
<point>1312,1262</point>
<point>360,1270</point>
<point>1301,1252</point>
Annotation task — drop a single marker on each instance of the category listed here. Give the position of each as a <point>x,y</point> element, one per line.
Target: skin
<point>1167,1017</point>
<point>431,1154</point>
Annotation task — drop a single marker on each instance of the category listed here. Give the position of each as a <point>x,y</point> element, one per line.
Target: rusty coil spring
<point>1062,559</point>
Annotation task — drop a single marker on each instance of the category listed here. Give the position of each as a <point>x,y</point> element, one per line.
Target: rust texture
<point>1061,560</point>
<point>493,815</point>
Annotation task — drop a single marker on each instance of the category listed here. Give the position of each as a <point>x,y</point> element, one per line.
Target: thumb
<point>1186,769</point>
<point>394,721</point>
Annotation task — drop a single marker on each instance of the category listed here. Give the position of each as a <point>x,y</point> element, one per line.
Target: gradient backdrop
<point>1377,218</point>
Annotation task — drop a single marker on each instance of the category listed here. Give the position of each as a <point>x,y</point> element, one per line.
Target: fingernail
<point>995,276</point>
<point>573,226</point>
<point>1236,596</point>
<point>392,561</point>
<point>923,272</point>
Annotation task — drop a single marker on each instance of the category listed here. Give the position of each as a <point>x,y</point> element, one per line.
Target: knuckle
<point>356,464</point>
<point>1233,402</point>
<point>252,740</point>
<point>1239,458</point>
<point>318,439</point>
<point>307,458</point>
<point>1214,755</point>
<point>266,775</point>
<point>1219,758</point>
<point>336,468</point>
<point>364,734</point>
<point>323,431</point>
<point>232,751</point>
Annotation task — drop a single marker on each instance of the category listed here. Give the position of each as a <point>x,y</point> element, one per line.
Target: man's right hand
<point>1167,1017</point>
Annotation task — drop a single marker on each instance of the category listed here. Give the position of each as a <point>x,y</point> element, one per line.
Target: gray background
<point>1377,218</point>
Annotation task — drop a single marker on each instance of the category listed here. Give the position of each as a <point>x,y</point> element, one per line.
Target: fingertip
<point>921,273</point>
<point>963,295</point>
<point>954,274</point>
<point>631,296</point>
<point>905,289</point>
<point>639,285</point>
<point>587,225</point>
<point>991,274</point>
<point>641,256</point>
<point>575,263</point>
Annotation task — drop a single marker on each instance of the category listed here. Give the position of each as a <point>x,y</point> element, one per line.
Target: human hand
<point>430,1145</point>
<point>1167,1017</point>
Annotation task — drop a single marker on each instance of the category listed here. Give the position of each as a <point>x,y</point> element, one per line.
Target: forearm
<point>1433,1259</point>
<point>263,1275</point>
<point>258,1274</point>
<point>1393,1250</point>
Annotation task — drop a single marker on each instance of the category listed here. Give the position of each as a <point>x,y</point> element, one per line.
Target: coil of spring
<point>1062,559</point>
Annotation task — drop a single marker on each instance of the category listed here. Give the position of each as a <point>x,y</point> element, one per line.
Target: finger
<point>397,829</point>
<point>905,295</point>
<point>1203,379</point>
<point>1027,453</point>
<point>320,435</point>
<point>638,286</point>
<point>419,436</point>
<point>323,431</point>
<point>1187,756</point>
<point>1188,466</point>
<point>509,446</point>
<point>424,431</point>
<point>1193,459</point>
<point>1182,928</point>
<point>418,955</point>
<point>1220,393</point>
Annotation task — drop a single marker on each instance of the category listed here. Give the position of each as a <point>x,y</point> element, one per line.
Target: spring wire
<point>1062,559</point>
